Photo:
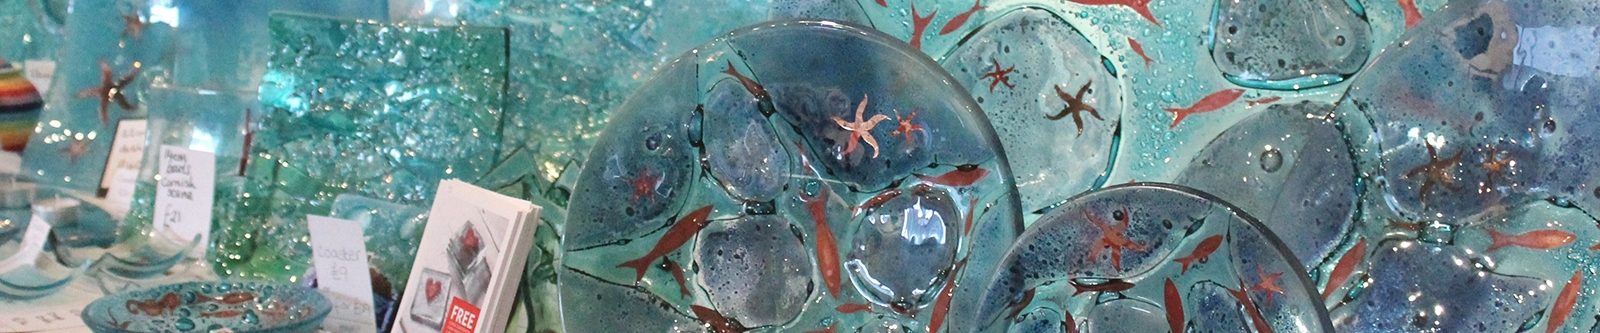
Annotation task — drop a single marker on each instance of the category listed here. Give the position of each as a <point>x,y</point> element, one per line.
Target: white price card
<point>339,255</point>
<point>184,194</point>
<point>119,199</point>
<point>41,73</point>
<point>32,244</point>
<point>127,150</point>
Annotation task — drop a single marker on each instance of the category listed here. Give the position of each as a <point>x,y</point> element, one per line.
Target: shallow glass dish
<point>210,306</point>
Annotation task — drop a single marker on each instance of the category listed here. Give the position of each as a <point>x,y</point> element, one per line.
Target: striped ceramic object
<point>19,107</point>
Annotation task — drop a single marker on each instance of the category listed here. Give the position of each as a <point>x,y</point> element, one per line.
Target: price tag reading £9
<point>184,194</point>
<point>340,259</point>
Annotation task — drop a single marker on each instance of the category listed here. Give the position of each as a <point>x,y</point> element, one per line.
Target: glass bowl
<point>210,306</point>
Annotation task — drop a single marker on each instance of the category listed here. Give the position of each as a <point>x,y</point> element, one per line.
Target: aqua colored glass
<point>358,107</point>
<point>763,181</point>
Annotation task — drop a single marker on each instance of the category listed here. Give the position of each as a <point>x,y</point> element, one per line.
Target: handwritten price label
<point>339,253</point>
<point>184,193</point>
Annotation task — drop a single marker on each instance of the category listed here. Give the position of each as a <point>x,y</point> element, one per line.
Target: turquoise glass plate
<point>210,306</point>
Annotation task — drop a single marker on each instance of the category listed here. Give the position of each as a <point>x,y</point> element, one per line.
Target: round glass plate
<point>210,306</point>
<point>791,176</point>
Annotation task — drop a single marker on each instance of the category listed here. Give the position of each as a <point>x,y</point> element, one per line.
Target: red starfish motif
<point>111,91</point>
<point>860,129</point>
<point>1436,172</point>
<point>907,125</point>
<point>999,76</point>
<point>1112,236</point>
<point>1268,284</point>
<point>75,149</point>
<point>1075,106</point>
<point>644,186</point>
<point>1494,167</point>
<point>132,26</point>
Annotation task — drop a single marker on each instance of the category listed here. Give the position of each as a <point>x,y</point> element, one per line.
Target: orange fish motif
<point>751,86</point>
<point>1263,101</point>
<point>972,209</point>
<point>1243,295</point>
<point>1565,302</point>
<point>1174,305</point>
<point>959,20</point>
<point>1212,102</point>
<point>1068,324</point>
<point>677,275</point>
<point>1113,286</point>
<point>879,200</point>
<point>1538,240</point>
<point>1343,269</point>
<point>1112,236</point>
<point>1139,50</point>
<point>849,308</point>
<point>680,233</point>
<point>829,329</point>
<point>1413,16</point>
<point>232,298</point>
<point>941,306</point>
<point>918,24</point>
<point>962,176</point>
<point>222,314</point>
<point>883,4</point>
<point>827,249</point>
<point>1139,6</point>
<point>718,322</point>
<point>1201,252</point>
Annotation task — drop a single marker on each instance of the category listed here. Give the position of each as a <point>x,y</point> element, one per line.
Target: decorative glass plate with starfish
<point>791,176</point>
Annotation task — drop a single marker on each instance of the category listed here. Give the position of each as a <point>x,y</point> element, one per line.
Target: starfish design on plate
<point>1436,172</point>
<point>861,129</point>
<point>1075,106</point>
<point>999,76</point>
<point>75,149</point>
<point>132,26</point>
<point>1112,236</point>
<point>644,185</point>
<point>111,90</point>
<point>1268,284</point>
<point>907,125</point>
<point>1494,166</point>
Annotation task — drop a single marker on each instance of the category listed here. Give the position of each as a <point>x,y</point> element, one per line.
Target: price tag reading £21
<point>184,194</point>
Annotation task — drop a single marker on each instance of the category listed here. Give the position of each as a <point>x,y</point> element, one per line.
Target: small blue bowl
<point>208,306</point>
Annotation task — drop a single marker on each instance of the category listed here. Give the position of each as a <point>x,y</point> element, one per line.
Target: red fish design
<point>849,308</point>
<point>1112,236</point>
<point>677,275</point>
<point>1538,240</point>
<point>1174,306</point>
<point>1201,252</point>
<point>1345,267</point>
<point>879,200</point>
<point>1139,6</point>
<point>883,4</point>
<point>959,20</point>
<point>1263,101</point>
<point>1139,50</point>
<point>718,322</point>
<point>829,329</point>
<point>1212,102</point>
<point>751,86</point>
<point>1259,321</point>
<point>827,249</point>
<point>231,298</point>
<point>999,76</point>
<point>918,24</point>
<point>1565,302</point>
<point>111,90</point>
<point>1409,8</point>
<point>1068,324</point>
<point>679,234</point>
<point>962,176</point>
<point>972,209</point>
<point>1016,309</point>
<point>941,306</point>
<point>222,314</point>
<point>1112,286</point>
